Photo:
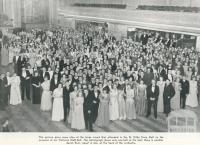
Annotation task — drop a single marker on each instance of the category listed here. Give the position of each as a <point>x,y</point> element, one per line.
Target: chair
<point>182,121</point>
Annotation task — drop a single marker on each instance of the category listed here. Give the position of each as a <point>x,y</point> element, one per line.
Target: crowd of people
<point>86,76</point>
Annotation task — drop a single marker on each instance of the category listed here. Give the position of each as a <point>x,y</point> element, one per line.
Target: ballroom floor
<point>29,118</point>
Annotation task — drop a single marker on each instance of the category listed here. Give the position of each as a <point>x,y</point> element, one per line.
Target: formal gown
<point>113,105</point>
<point>78,121</point>
<point>15,93</point>
<point>141,100</point>
<point>57,109</point>
<point>4,56</point>
<point>191,99</point>
<point>103,112</point>
<point>122,106</point>
<point>175,101</point>
<point>46,101</point>
<point>160,106</point>
<point>130,104</point>
<point>72,97</point>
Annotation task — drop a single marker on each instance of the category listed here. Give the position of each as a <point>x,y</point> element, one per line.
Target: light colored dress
<point>141,100</point>
<point>122,106</point>
<point>113,105</point>
<point>175,101</point>
<point>191,99</point>
<point>103,112</point>
<point>160,107</point>
<point>15,93</point>
<point>72,97</point>
<point>130,104</point>
<point>46,101</point>
<point>78,121</point>
<point>57,109</point>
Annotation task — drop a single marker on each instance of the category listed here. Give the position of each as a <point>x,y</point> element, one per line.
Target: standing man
<point>2,92</point>
<point>66,99</point>
<point>25,84</point>
<point>184,91</point>
<point>152,98</point>
<point>168,93</point>
<point>88,110</point>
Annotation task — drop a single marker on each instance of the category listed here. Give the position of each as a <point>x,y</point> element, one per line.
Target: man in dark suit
<point>168,93</point>
<point>88,110</point>
<point>25,83</point>
<point>66,99</point>
<point>148,76</point>
<point>96,103</point>
<point>43,74</point>
<point>144,38</point>
<point>45,62</point>
<point>152,98</point>
<point>184,90</point>
<point>54,82</point>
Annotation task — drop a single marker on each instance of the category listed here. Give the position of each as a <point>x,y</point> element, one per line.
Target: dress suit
<point>43,75</point>
<point>168,93</point>
<point>152,99</point>
<point>88,108</point>
<point>54,84</point>
<point>25,84</point>
<point>96,105</point>
<point>184,92</point>
<point>66,101</point>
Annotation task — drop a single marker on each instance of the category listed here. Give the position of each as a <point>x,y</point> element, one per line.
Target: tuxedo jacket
<point>185,86</point>
<point>23,79</point>
<point>42,75</point>
<point>53,84</point>
<point>66,97</point>
<point>151,94</point>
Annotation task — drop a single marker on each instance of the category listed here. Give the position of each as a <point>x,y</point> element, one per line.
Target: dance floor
<point>29,118</point>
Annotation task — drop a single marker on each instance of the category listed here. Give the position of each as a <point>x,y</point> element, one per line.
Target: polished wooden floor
<point>29,118</point>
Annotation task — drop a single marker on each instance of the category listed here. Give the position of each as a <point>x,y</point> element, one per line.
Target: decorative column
<point>53,16</point>
<point>198,43</point>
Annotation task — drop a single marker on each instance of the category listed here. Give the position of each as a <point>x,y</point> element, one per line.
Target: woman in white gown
<point>72,97</point>
<point>161,85</point>
<point>58,110</point>
<point>113,104</point>
<point>46,101</point>
<point>78,121</point>
<point>130,103</point>
<point>192,100</point>
<point>15,93</point>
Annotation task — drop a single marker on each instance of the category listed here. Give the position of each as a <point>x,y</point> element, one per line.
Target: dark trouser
<point>183,100</point>
<point>88,120</point>
<point>150,103</point>
<point>25,90</point>
<point>66,112</point>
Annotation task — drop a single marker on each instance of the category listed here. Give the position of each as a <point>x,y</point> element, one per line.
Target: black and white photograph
<point>100,66</point>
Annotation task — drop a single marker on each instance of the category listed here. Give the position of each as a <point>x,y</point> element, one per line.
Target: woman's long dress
<point>130,104</point>
<point>36,90</point>
<point>113,105</point>
<point>160,106</point>
<point>15,93</point>
<point>57,109</point>
<point>103,112</point>
<point>141,100</point>
<point>4,56</point>
<point>175,101</point>
<point>46,101</point>
<point>78,121</point>
<point>191,99</point>
<point>72,97</point>
<point>122,106</point>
